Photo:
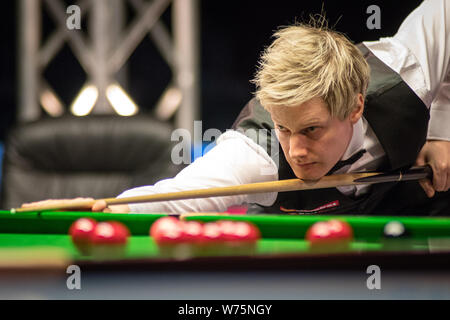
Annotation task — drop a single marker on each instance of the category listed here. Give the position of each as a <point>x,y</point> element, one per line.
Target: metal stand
<point>110,45</point>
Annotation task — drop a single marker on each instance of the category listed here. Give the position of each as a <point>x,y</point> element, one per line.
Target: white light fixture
<point>169,103</point>
<point>51,104</point>
<point>85,101</point>
<point>120,101</point>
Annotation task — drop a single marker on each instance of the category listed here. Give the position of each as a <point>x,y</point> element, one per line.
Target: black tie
<point>350,160</point>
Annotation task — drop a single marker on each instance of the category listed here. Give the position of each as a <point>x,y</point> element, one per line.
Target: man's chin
<point>309,175</point>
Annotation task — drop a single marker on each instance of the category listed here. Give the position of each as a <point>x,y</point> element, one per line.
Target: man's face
<point>312,141</point>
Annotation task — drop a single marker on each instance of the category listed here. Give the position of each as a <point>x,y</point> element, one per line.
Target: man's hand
<point>436,153</point>
<point>98,206</point>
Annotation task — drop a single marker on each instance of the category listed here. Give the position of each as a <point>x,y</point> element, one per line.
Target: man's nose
<point>297,146</point>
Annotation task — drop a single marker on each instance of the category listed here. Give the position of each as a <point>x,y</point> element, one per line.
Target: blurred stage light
<point>169,103</point>
<point>51,104</point>
<point>85,101</point>
<point>120,101</point>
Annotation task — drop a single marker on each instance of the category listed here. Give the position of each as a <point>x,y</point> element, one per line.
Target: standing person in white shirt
<point>420,54</point>
<point>313,84</point>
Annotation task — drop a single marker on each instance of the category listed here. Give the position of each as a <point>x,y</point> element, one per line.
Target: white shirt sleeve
<point>439,126</point>
<point>235,160</point>
<point>420,54</point>
<point>426,32</point>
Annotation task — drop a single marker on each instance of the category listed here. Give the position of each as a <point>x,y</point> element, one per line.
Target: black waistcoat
<point>399,119</point>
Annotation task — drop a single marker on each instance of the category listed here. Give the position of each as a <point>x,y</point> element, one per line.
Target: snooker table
<point>37,244</point>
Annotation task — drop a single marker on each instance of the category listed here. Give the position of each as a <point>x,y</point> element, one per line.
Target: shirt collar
<point>357,140</point>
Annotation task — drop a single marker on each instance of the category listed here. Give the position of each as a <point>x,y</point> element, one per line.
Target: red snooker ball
<point>227,230</point>
<point>110,233</point>
<point>246,231</point>
<point>192,231</point>
<point>163,223</point>
<point>238,231</point>
<point>167,230</point>
<point>340,229</point>
<point>330,233</point>
<point>211,233</point>
<point>81,230</point>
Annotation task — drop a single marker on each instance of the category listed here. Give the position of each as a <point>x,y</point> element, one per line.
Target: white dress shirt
<point>419,53</point>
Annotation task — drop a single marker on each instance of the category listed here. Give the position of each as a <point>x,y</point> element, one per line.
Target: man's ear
<point>359,109</point>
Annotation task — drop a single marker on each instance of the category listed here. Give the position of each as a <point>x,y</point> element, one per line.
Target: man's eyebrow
<point>313,121</point>
<point>310,123</point>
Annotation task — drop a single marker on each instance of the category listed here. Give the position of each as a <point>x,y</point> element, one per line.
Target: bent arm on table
<point>235,160</point>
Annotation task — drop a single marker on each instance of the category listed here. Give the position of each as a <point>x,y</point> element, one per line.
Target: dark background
<point>233,33</point>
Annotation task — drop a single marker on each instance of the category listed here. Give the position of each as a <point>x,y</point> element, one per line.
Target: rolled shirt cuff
<point>439,125</point>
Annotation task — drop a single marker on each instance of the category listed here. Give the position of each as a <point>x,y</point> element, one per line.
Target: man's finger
<point>447,187</point>
<point>420,161</point>
<point>439,175</point>
<point>99,206</point>
<point>120,208</point>
<point>446,179</point>
<point>427,187</point>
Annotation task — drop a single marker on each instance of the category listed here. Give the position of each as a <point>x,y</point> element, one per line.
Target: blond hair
<point>305,62</point>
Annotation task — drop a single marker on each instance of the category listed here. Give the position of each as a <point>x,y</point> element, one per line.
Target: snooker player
<point>335,108</point>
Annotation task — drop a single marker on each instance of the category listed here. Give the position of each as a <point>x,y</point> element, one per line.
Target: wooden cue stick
<point>252,188</point>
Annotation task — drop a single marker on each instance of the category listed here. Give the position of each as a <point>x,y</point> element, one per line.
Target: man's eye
<point>281,128</point>
<point>311,129</point>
